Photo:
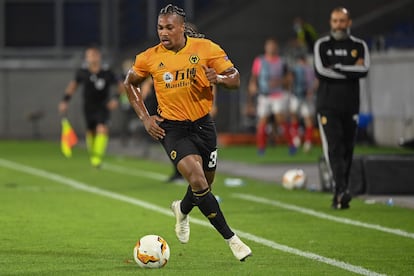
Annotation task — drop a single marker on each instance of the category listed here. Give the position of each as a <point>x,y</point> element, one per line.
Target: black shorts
<point>93,117</point>
<point>185,137</point>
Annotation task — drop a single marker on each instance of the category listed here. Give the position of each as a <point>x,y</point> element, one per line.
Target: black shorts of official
<point>95,116</point>
<point>185,138</point>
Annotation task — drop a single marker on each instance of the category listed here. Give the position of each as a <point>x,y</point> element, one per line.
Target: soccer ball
<point>151,251</point>
<point>294,179</point>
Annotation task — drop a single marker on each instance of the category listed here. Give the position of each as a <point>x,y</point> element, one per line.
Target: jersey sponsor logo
<point>337,52</point>
<point>180,78</point>
<point>168,77</point>
<point>161,65</point>
<point>341,52</point>
<point>194,59</point>
<point>178,84</point>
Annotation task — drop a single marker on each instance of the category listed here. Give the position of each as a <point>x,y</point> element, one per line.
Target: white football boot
<point>240,250</point>
<point>182,225</point>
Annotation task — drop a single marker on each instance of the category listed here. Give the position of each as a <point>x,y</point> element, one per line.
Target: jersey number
<point>213,159</point>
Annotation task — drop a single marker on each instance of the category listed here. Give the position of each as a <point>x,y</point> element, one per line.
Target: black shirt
<point>96,87</point>
<point>338,75</point>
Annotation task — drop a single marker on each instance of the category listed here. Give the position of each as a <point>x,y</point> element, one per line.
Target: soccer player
<point>301,101</point>
<point>96,79</point>
<point>340,61</point>
<point>270,81</point>
<point>184,68</point>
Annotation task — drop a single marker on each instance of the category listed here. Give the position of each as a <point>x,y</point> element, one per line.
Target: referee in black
<point>340,61</point>
<point>96,79</point>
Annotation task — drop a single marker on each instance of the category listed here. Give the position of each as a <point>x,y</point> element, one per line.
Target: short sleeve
<point>218,58</point>
<point>78,76</point>
<point>140,66</point>
<point>256,66</point>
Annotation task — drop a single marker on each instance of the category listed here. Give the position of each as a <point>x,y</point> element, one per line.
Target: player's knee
<point>197,181</point>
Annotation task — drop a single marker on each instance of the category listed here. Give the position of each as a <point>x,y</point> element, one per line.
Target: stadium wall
<point>29,98</point>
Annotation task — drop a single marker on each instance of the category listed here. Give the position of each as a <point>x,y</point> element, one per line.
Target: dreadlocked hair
<point>171,9</point>
<point>191,30</point>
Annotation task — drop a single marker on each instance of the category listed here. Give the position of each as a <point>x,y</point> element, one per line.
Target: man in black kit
<point>96,79</point>
<point>340,61</point>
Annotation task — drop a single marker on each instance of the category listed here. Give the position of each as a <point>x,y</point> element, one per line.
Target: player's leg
<point>177,145</point>
<point>279,108</point>
<point>306,114</point>
<point>182,209</point>
<point>90,121</point>
<point>101,137</point>
<point>191,168</point>
<point>332,135</point>
<point>198,169</point>
<point>263,112</point>
<point>100,145</point>
<point>209,145</point>
<point>90,139</point>
<point>208,205</point>
<point>350,134</point>
<point>294,104</point>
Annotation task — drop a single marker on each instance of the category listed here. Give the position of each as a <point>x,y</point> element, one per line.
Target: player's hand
<point>360,61</point>
<point>211,74</point>
<point>63,107</point>
<point>152,127</point>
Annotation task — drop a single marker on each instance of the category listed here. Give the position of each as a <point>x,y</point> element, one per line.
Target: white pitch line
<point>321,215</point>
<point>134,172</point>
<point>158,176</point>
<point>94,190</point>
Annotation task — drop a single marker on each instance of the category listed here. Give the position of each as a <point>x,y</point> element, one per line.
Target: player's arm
<point>360,68</point>
<point>69,91</point>
<point>132,82</point>
<point>229,78</point>
<point>113,103</point>
<point>322,67</point>
<point>252,86</point>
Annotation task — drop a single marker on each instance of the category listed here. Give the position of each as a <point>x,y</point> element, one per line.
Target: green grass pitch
<point>61,217</point>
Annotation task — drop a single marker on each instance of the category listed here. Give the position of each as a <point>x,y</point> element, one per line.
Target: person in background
<point>340,61</point>
<point>301,101</point>
<point>270,82</point>
<point>96,79</point>
<point>184,67</point>
<point>306,34</point>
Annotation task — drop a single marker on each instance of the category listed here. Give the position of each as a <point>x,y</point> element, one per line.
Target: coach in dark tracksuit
<point>340,61</point>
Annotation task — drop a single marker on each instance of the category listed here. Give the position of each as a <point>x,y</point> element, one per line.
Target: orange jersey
<point>182,88</point>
